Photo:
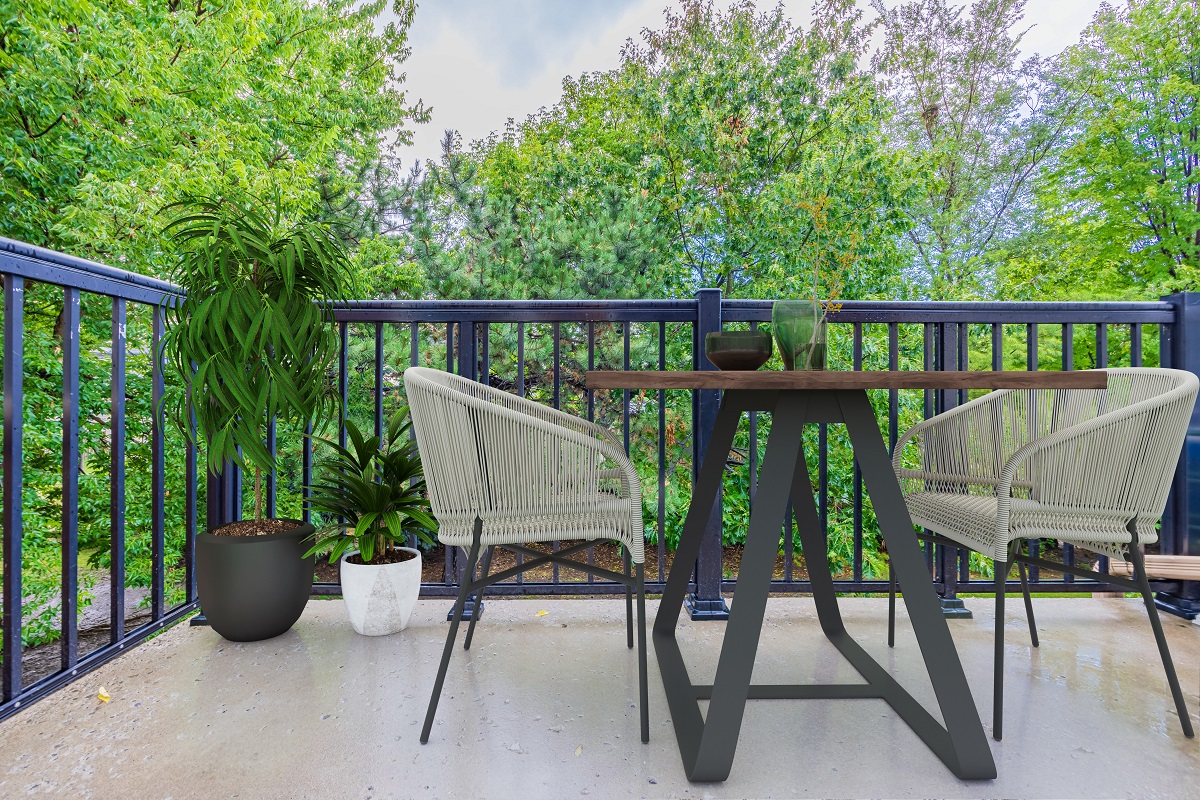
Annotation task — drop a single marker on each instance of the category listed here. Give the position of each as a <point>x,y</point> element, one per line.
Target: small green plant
<point>373,496</point>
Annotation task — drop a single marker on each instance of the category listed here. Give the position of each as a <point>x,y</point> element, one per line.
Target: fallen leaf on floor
<point>579,750</point>
<point>103,695</point>
<point>542,613</point>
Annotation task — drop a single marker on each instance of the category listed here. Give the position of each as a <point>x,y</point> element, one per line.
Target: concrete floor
<point>544,706</point>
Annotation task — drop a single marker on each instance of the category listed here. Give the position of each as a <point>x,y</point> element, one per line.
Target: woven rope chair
<point>504,471</point>
<point>1089,467</point>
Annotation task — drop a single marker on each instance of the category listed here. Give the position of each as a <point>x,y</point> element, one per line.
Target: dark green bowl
<point>744,350</point>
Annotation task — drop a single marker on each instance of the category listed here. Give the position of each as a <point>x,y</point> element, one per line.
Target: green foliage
<point>730,149</point>
<point>980,125</point>
<point>1125,195</point>
<point>254,336</point>
<point>373,497</point>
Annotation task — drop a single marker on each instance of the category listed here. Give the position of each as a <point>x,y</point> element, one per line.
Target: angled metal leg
<point>891,606</point>
<point>628,599</point>
<point>1139,568</point>
<point>1028,605</point>
<point>643,689</point>
<point>487,565</point>
<point>1001,569</point>
<point>961,744</point>
<point>453,633</point>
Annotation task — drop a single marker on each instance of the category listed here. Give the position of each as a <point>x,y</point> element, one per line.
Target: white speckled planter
<point>380,598</point>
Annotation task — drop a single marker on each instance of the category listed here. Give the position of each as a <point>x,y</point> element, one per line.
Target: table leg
<point>961,744</point>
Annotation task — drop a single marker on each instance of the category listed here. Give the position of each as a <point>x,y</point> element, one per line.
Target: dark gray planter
<point>254,587</point>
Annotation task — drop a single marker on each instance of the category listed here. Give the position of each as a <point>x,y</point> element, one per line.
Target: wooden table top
<point>832,379</point>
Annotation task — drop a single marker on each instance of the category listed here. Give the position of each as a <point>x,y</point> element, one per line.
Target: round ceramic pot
<point>380,597</point>
<point>254,587</point>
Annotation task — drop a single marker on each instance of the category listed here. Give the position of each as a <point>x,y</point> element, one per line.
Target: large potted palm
<point>373,500</point>
<point>254,339</point>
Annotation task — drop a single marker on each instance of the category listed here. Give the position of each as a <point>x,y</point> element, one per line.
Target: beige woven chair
<point>1089,467</point>
<point>504,471</point>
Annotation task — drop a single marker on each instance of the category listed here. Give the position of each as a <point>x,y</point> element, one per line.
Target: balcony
<point>1089,714</point>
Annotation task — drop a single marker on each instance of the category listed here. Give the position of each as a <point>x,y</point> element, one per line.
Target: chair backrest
<point>445,431</point>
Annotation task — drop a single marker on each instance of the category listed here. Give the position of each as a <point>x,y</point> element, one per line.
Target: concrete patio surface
<point>544,707</point>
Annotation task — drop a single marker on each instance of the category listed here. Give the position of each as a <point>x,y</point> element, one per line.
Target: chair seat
<point>972,520</point>
<point>600,515</point>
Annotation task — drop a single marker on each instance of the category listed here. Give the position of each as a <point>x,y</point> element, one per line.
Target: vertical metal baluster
<point>1101,345</point>
<point>555,331</point>
<point>191,478</point>
<point>893,394</point>
<point>379,380</point>
<point>520,366</point>
<point>272,475</point>
<point>306,466</point>
<point>158,475</point>
<point>414,338</point>
<point>928,411</point>
<point>1135,344</point>
<point>485,356</point>
<point>858,486</point>
<point>997,347</point>
<point>521,392</point>
<point>116,469</point>
<point>449,575</point>
<point>964,361</point>
<point>343,381</point>
<point>1068,363</point>
<point>70,479</point>
<point>591,393</point>
<point>1031,346</point>
<point>625,392</point>
<point>14,369</point>
<point>662,455</point>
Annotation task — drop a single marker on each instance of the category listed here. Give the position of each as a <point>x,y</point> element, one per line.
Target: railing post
<point>706,601</point>
<point>468,367</point>
<point>948,358</point>
<point>1180,349</point>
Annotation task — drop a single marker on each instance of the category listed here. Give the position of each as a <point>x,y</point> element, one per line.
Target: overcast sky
<point>479,62</point>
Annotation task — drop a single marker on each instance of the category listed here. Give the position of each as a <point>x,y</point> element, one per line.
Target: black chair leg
<point>1001,571</point>
<point>628,599</point>
<point>487,565</point>
<point>1028,605</point>
<point>891,607</point>
<point>643,691</point>
<point>1139,565</point>
<point>459,605</point>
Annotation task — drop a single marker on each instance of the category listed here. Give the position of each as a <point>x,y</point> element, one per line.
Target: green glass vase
<point>799,328</point>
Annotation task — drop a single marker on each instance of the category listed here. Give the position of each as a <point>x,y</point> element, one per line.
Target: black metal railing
<point>541,349</point>
<point>65,283</point>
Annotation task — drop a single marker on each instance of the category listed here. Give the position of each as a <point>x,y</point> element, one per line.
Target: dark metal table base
<point>707,745</point>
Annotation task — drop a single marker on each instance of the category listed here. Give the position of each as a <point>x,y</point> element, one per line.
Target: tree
<point>729,149</point>
<point>1127,188</point>
<point>981,125</point>
<point>111,110</point>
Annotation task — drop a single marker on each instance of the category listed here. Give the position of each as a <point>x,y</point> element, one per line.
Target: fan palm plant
<point>372,494</point>
<point>253,335</point>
